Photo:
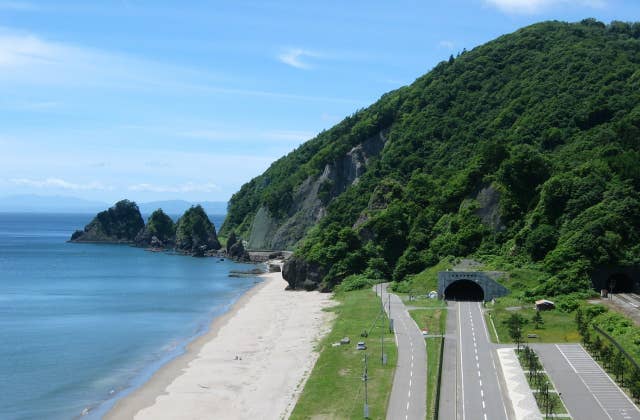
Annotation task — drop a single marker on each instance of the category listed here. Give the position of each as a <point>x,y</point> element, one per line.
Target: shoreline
<point>145,394</point>
<point>183,384</point>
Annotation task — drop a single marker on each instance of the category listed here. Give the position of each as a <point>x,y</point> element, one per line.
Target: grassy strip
<point>558,327</point>
<point>435,322</point>
<point>421,302</point>
<point>555,400</point>
<point>335,388</point>
<point>425,281</point>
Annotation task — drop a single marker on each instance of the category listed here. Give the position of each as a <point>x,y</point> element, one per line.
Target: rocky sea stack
<point>195,234</point>
<point>119,224</point>
<point>235,248</point>
<point>159,232</point>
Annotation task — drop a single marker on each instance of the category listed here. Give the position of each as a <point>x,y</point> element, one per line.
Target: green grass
<point>335,389</point>
<point>435,321</point>
<point>559,327</point>
<point>421,302</point>
<point>558,405</point>
<point>425,281</point>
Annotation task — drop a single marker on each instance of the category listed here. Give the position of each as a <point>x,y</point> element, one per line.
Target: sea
<point>82,325</point>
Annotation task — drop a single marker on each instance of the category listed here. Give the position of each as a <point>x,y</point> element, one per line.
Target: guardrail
<point>618,346</point>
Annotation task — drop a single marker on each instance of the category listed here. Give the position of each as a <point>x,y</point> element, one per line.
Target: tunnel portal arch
<point>452,284</point>
<point>464,290</point>
<point>621,283</point>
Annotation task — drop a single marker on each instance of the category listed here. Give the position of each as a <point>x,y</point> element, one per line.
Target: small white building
<point>545,305</point>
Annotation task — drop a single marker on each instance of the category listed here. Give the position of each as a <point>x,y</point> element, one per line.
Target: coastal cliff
<point>309,200</point>
<point>523,149</point>
<point>119,224</point>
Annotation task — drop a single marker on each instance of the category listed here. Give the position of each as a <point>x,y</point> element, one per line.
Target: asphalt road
<point>471,389</point>
<point>409,390</point>
<point>587,391</point>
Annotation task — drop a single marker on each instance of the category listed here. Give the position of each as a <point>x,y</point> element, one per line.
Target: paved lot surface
<point>409,390</point>
<point>476,392</point>
<point>587,391</point>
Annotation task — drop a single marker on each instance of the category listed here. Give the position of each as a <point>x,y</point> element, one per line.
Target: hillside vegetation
<point>526,147</point>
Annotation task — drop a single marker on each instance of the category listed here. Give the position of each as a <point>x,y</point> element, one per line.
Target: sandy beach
<point>252,363</point>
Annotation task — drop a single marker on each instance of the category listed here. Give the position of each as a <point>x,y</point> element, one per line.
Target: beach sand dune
<point>252,363</point>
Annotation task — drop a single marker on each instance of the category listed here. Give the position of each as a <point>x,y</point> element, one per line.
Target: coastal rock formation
<point>195,234</point>
<point>159,232</point>
<point>311,197</point>
<point>302,275</point>
<point>119,224</point>
<point>235,248</point>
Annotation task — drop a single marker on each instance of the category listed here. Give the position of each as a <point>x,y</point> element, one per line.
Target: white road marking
<point>493,362</point>
<point>461,367</point>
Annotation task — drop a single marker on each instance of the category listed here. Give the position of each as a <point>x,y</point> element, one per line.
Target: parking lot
<point>587,391</point>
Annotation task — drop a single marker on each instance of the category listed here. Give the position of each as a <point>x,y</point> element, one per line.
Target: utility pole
<point>389,306</point>
<point>382,346</point>
<point>365,378</point>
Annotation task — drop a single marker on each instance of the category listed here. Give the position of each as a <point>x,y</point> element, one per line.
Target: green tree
<point>537,319</point>
<point>514,324</point>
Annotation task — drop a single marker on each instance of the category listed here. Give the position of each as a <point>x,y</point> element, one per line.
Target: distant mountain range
<point>30,203</point>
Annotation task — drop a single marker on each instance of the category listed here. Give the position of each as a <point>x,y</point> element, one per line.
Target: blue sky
<point>174,99</point>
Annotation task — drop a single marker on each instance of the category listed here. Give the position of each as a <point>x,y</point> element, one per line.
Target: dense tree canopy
<point>548,117</point>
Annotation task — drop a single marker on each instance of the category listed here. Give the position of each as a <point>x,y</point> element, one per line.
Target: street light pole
<point>365,378</point>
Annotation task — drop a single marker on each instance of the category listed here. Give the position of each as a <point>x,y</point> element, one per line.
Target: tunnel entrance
<point>464,290</point>
<point>621,283</point>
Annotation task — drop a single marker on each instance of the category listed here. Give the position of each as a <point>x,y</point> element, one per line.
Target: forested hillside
<point>526,147</point>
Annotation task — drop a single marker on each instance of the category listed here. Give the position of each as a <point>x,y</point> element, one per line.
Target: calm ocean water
<point>80,324</point>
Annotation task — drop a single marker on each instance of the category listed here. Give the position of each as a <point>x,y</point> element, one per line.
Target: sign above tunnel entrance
<point>468,285</point>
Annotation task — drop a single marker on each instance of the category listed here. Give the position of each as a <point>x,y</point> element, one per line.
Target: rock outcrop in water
<point>195,234</point>
<point>119,224</point>
<point>235,248</point>
<point>159,232</point>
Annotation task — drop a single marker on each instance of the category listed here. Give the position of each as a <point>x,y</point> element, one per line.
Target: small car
<point>361,346</point>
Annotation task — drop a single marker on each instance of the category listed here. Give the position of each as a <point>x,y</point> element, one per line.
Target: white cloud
<point>58,183</point>
<point>446,44</point>
<point>189,187</point>
<point>28,59</point>
<point>295,57</point>
<point>19,6</point>
<point>537,6</point>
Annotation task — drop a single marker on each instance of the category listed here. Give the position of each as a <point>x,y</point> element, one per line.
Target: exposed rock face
<point>195,234</point>
<point>119,224</point>
<point>489,208</point>
<point>159,232</point>
<point>311,198</point>
<point>237,252</point>
<point>302,275</point>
